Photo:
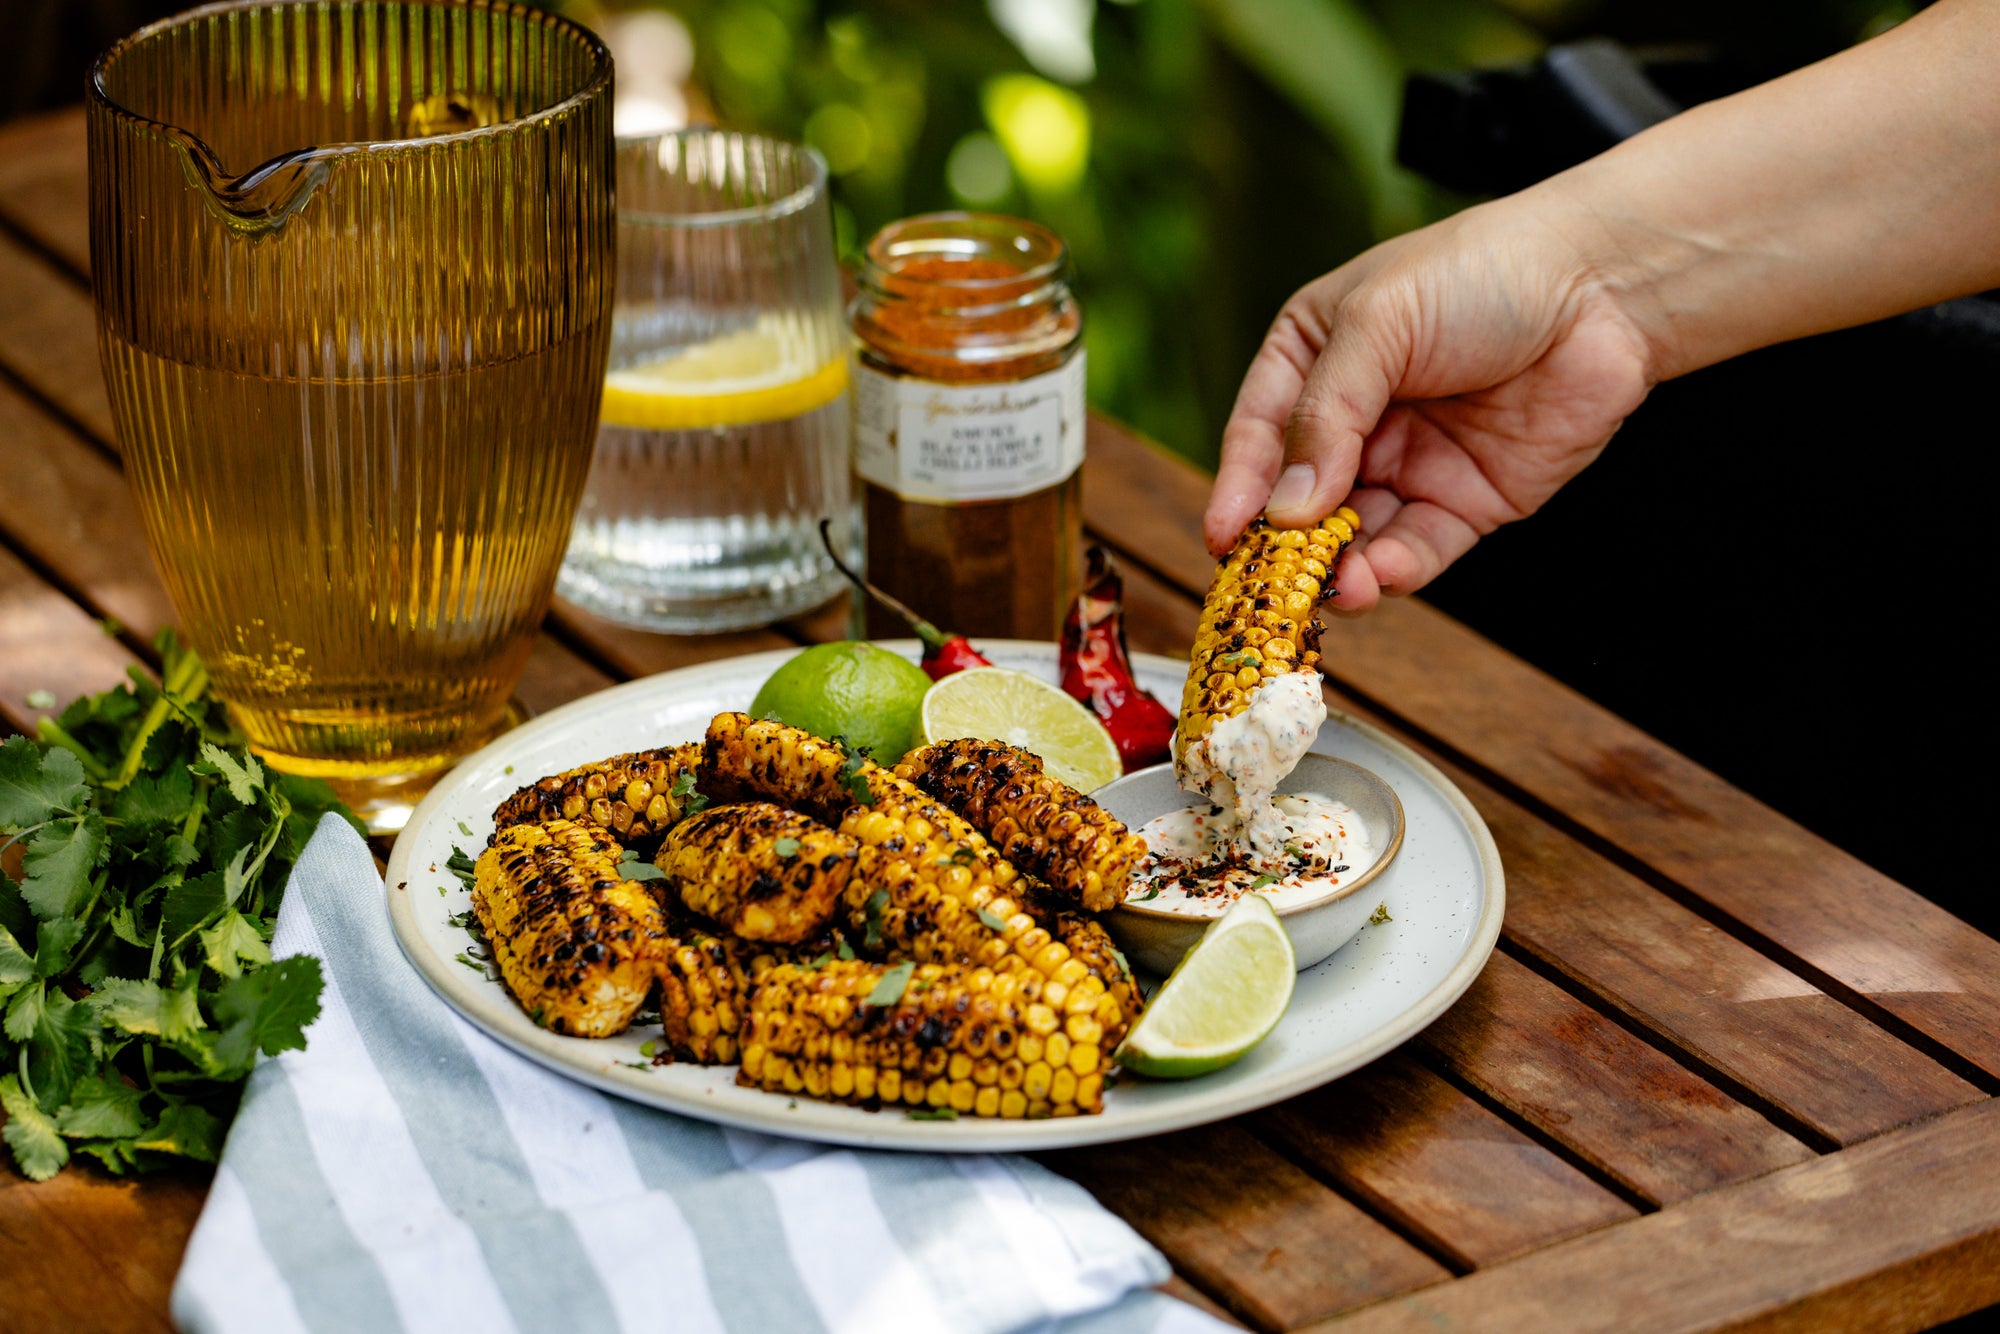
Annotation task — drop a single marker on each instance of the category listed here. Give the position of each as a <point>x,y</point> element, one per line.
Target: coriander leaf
<point>156,798</point>
<point>692,802</point>
<point>890,989</point>
<point>786,847</point>
<point>59,861</point>
<point>187,1130</point>
<point>641,871</point>
<point>180,853</point>
<point>873,916</point>
<point>14,914</point>
<point>53,941</point>
<point>267,1010</point>
<point>244,779</point>
<point>63,1043</point>
<point>233,942</point>
<point>189,906</point>
<point>23,1013</point>
<point>234,878</point>
<point>116,1154</point>
<point>1124,968</point>
<point>1265,879</point>
<point>38,1146</point>
<point>461,866</point>
<point>843,950</point>
<point>136,1006</point>
<point>993,920</point>
<point>933,1114</point>
<point>465,828</point>
<point>16,964</point>
<point>35,784</point>
<point>100,1109</point>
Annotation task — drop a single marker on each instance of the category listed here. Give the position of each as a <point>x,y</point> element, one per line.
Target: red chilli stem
<point>923,629</point>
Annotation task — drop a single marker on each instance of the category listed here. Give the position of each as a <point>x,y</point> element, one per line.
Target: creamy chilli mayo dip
<point>1197,862</point>
<point>1293,848</point>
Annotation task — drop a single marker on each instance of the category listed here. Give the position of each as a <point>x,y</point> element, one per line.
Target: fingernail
<point>1294,488</point>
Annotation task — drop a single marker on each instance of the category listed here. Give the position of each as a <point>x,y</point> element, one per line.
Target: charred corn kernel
<point>1271,580</point>
<point>764,872</point>
<point>1062,1089</point>
<point>915,1049</point>
<point>745,759</point>
<point>577,944</point>
<point>1084,1057</point>
<point>1118,1005</point>
<point>704,986</point>
<point>1041,825</point>
<point>631,797</point>
<point>1013,1104</point>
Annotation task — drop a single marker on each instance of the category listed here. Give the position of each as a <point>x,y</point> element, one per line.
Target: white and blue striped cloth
<point>406,1171</point>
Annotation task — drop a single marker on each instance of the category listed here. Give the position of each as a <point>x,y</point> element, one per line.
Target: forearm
<point>1856,188</point>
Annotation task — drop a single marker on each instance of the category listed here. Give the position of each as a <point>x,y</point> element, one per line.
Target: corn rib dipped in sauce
<point>1250,711</point>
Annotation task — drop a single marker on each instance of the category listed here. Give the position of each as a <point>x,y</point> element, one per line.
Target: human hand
<point>1441,384</point>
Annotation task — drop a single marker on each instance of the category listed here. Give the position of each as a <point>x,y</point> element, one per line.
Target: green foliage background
<point>1232,149</point>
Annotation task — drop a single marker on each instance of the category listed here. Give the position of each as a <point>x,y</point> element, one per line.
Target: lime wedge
<point>999,704</point>
<point>770,371</point>
<point>1226,996</point>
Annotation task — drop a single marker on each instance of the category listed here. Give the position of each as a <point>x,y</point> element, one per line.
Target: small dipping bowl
<point>1156,938</point>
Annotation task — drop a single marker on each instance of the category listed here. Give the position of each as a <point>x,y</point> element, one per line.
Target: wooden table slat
<point>1629,1111</point>
<point>43,189</point>
<point>1892,1235</point>
<point>1417,1150</point>
<point>1249,1228</point>
<point>48,643</point>
<point>49,339</point>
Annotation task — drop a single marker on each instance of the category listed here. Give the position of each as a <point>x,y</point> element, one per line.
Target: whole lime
<point>849,689</point>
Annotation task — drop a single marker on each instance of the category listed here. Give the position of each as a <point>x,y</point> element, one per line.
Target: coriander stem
<point>51,732</point>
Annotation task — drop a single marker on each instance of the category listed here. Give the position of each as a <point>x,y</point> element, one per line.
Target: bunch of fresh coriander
<point>142,854</point>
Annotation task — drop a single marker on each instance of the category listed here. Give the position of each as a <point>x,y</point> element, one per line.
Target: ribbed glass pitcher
<point>354,273</point>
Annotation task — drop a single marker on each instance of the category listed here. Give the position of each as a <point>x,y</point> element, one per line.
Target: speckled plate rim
<point>598,1063</point>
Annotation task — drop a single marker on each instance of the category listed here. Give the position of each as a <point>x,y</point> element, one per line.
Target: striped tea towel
<point>406,1171</point>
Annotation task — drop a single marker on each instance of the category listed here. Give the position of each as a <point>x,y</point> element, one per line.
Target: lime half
<point>1226,996</point>
<point>1000,704</point>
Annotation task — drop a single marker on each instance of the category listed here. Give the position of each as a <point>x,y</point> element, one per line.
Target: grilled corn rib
<point>926,889</point>
<point>764,872</point>
<point>1257,621</point>
<point>972,1039</point>
<point>704,993</point>
<point>631,797</point>
<point>1042,825</point>
<point>1091,945</point>
<point>747,758</point>
<point>577,944</point>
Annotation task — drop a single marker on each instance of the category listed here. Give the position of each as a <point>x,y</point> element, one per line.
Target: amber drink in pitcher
<point>969,423</point>
<point>354,279</point>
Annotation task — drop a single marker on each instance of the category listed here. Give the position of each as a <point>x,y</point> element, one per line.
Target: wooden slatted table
<point>1719,1074</point>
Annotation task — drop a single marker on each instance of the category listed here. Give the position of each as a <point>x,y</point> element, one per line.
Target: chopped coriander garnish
<point>1152,892</point>
<point>649,1049</point>
<point>692,802</point>
<point>1124,968</point>
<point>1265,879</point>
<point>508,770</point>
<point>1380,915</point>
<point>461,866</point>
<point>993,920</point>
<point>844,950</point>
<point>876,903</point>
<point>633,868</point>
<point>894,982</point>
<point>470,962</point>
<point>852,772</point>
<point>786,847</point>
<point>933,1113</point>
<point>465,828</point>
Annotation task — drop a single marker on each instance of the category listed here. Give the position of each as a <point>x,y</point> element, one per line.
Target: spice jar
<point>968,423</point>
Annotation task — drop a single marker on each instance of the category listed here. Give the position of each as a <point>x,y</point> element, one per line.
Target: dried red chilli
<point>943,653</point>
<point>1097,668</point>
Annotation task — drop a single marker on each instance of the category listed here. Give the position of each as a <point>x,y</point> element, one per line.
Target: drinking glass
<point>354,276</point>
<point>724,432</point>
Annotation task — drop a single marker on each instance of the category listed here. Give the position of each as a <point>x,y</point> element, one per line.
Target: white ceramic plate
<point>1444,893</point>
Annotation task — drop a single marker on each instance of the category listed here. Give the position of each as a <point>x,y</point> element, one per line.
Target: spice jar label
<point>947,443</point>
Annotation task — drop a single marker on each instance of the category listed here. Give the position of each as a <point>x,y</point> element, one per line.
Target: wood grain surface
<point>1721,1075</point>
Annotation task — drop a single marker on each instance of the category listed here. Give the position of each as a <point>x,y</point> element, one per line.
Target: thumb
<point>1344,396</point>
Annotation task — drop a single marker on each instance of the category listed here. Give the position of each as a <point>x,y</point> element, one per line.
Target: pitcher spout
<point>261,199</point>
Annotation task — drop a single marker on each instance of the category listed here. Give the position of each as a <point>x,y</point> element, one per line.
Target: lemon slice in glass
<point>1000,704</point>
<point>1224,998</point>
<point>769,371</point>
